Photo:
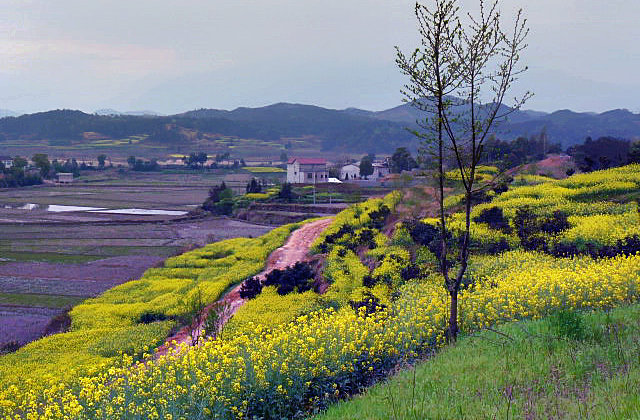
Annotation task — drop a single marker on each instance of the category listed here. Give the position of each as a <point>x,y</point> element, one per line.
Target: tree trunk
<point>452,332</point>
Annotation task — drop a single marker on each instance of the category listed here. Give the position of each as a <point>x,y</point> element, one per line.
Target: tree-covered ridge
<point>336,129</point>
<point>349,130</point>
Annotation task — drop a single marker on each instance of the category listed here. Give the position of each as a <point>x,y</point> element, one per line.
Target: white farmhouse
<point>349,172</point>
<point>380,170</point>
<point>7,161</point>
<point>307,171</point>
<point>65,178</point>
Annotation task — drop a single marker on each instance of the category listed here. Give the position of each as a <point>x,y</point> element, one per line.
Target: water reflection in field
<point>56,208</point>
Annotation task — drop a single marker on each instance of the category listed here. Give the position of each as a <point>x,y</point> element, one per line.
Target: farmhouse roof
<point>3,157</point>
<point>308,161</point>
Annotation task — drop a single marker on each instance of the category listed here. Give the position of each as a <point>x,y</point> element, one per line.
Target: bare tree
<point>461,61</point>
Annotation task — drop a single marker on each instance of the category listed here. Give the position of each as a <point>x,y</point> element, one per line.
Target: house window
<point>309,175</point>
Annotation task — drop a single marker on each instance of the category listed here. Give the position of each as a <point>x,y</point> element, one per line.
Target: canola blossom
<point>286,356</point>
<point>327,353</point>
<point>110,324</point>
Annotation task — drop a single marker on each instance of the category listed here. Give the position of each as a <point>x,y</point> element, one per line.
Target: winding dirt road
<point>295,249</point>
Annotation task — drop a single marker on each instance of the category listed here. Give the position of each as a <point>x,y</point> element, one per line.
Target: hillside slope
<point>351,130</point>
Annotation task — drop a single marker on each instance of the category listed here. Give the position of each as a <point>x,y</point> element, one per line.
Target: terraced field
<point>50,261</point>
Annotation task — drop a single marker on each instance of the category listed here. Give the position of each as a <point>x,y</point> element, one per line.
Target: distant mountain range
<point>350,129</point>
<point>565,127</point>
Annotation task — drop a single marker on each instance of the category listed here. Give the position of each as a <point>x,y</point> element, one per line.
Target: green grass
<point>51,257</point>
<point>45,301</point>
<point>566,366</point>
<point>263,169</point>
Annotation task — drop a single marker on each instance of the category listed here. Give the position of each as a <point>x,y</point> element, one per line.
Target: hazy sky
<point>171,56</point>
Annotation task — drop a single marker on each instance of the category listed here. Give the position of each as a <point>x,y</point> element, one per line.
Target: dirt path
<point>295,249</point>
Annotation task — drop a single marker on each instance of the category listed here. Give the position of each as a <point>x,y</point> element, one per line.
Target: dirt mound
<point>555,166</point>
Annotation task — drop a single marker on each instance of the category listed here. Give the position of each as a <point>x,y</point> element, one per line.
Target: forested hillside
<point>351,130</point>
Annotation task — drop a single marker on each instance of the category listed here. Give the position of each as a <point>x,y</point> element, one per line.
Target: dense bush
<point>494,217</point>
<point>368,305</point>
<point>298,277</point>
<point>497,247</point>
<point>371,214</point>
<point>250,288</point>
<point>366,238</point>
<point>422,233</point>
<point>427,235</point>
<point>626,246</point>
<point>220,200</point>
<point>410,272</point>
<point>286,192</point>
<point>531,228</point>
<point>254,187</point>
<point>17,177</point>
<point>147,317</point>
<point>379,216</point>
<point>332,238</point>
<point>558,222</point>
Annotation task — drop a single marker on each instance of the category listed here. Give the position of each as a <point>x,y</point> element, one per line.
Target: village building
<point>349,172</point>
<point>307,171</point>
<point>380,170</point>
<point>7,161</point>
<point>65,178</point>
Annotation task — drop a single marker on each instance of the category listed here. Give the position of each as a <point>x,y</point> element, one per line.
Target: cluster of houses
<point>7,161</point>
<point>316,171</point>
<point>61,177</point>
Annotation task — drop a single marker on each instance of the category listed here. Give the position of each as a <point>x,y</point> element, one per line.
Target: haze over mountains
<point>349,129</point>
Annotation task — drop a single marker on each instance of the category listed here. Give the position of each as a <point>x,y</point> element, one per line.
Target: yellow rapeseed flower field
<point>287,355</point>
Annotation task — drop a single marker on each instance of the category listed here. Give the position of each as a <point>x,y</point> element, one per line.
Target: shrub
<point>498,247</point>
<point>555,224</point>
<point>379,216</point>
<point>148,317</point>
<point>410,272</point>
<point>530,228</point>
<point>626,246</point>
<point>428,235</point>
<point>298,277</point>
<point>369,281</point>
<point>286,192</point>
<point>253,187</point>
<point>250,288</point>
<point>220,200</point>
<point>368,305</point>
<point>422,233</point>
<point>494,217</point>
<point>503,186</point>
<point>366,238</point>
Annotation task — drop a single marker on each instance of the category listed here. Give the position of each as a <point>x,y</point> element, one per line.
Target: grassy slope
<point>47,301</point>
<point>524,370</point>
